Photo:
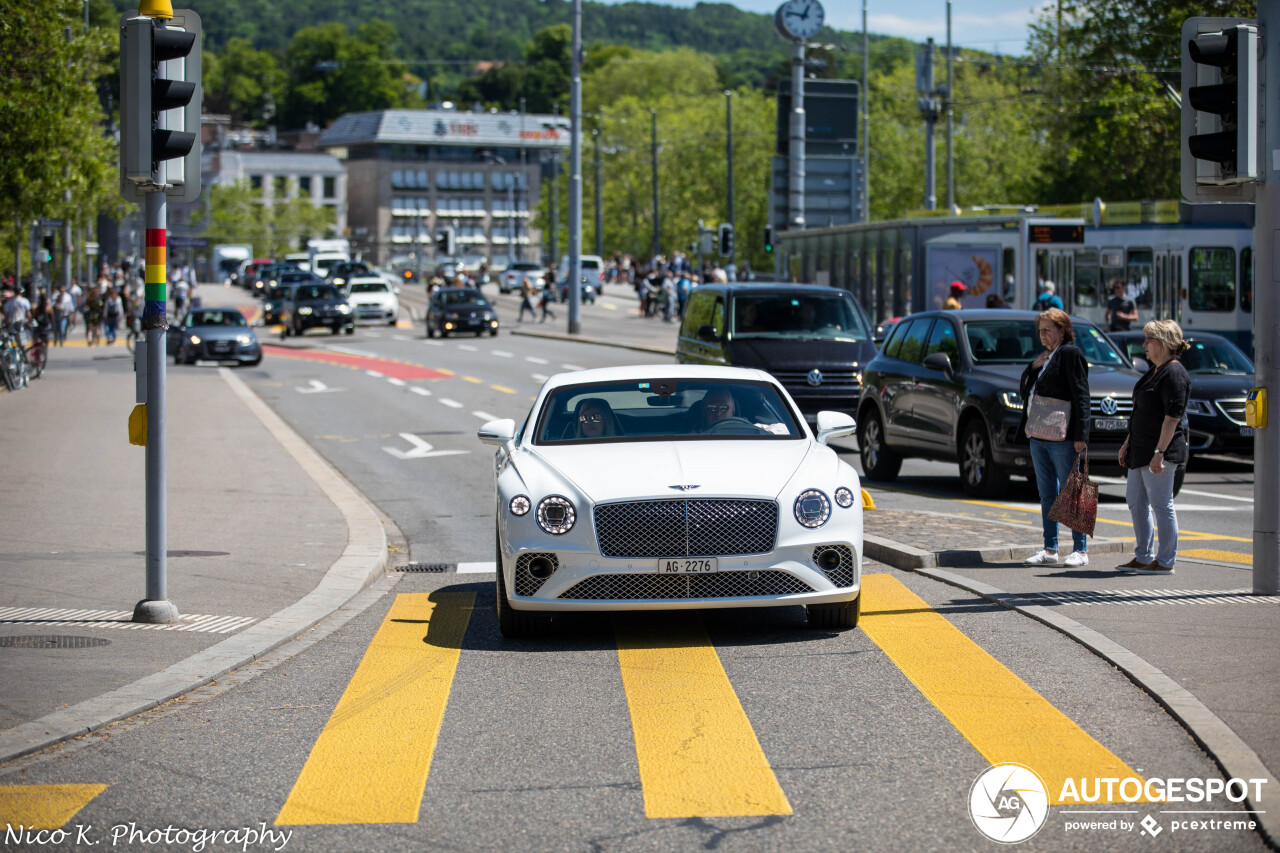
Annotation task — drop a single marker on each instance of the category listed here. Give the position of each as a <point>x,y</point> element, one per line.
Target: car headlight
<point>339,281</point>
<point>344,308</point>
<point>844,497</point>
<point>812,508</point>
<point>1199,407</point>
<point>1011,400</point>
<point>244,339</point>
<point>520,505</point>
<point>304,310</point>
<point>195,339</point>
<point>556,515</point>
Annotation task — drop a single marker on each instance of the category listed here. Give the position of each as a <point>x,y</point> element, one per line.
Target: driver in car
<point>716,406</point>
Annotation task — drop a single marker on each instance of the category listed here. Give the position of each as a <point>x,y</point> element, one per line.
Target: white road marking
<point>421,449</point>
<point>418,389</point>
<point>373,334</point>
<point>467,348</point>
<point>539,377</point>
<point>485,416</point>
<point>535,360</point>
<point>432,343</point>
<point>317,387</point>
<point>374,374</point>
<point>395,381</point>
<point>572,367</point>
<point>500,354</point>
<point>401,338</point>
<point>1120,481</point>
<point>350,351</point>
<point>453,404</point>
<point>476,568</point>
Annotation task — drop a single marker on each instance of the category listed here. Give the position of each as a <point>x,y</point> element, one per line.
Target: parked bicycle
<point>14,368</point>
<point>37,351</point>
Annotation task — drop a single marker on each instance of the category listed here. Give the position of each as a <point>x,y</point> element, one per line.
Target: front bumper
<point>225,351</point>
<point>469,324</point>
<point>374,313</point>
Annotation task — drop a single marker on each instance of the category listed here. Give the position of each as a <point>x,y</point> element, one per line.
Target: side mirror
<point>395,290</point>
<point>834,425</point>
<point>708,334</point>
<point>938,361</point>
<point>499,432</point>
<point>1142,364</point>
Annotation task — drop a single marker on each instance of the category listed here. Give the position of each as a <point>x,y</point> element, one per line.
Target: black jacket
<point>1066,378</point>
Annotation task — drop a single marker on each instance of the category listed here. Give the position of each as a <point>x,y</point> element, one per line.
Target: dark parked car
<point>269,276</point>
<point>460,309</point>
<point>815,340</point>
<point>317,305</point>
<point>214,334</point>
<point>1221,376</point>
<point>343,271</point>
<point>945,386</point>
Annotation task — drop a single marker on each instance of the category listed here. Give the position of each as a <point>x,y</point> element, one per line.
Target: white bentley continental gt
<point>669,487</point>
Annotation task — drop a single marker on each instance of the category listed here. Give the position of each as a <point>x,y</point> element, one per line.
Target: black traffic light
<point>444,241</point>
<point>1219,104</point>
<point>726,240</point>
<point>160,103</point>
<point>768,239</point>
<point>48,242</point>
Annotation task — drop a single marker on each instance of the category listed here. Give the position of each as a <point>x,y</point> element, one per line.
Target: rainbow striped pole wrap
<point>155,290</point>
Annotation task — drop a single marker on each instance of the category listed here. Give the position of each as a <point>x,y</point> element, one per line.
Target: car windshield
<point>1210,356</point>
<point>368,287</point>
<point>316,291</point>
<point>1016,342</point>
<point>524,265</point>
<point>216,318</point>
<point>665,410</point>
<point>801,316</point>
<point>462,297</point>
<point>279,292</point>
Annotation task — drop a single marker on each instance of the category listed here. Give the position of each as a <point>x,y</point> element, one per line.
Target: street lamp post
<point>599,135</point>
<point>653,134</point>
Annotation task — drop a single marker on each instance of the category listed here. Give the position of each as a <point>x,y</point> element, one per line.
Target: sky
<point>998,26</point>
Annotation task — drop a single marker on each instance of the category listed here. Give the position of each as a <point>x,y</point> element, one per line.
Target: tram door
<point>1168,285</point>
<point>1057,266</point>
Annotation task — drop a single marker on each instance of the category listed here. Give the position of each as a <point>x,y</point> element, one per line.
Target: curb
<point>905,557</point>
<point>363,560</point>
<point>1235,757</point>
<point>562,336</point>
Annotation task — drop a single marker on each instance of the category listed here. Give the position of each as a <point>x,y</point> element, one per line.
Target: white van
<point>592,270</point>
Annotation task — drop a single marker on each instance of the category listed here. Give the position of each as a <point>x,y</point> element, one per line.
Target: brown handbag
<point>1077,504</point>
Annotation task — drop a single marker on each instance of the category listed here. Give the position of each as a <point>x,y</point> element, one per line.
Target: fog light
<point>448,325</point>
<point>1020,462</point>
<point>541,568</point>
<point>828,559</point>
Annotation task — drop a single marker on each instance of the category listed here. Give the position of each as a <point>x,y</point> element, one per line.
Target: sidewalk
<point>264,540</point>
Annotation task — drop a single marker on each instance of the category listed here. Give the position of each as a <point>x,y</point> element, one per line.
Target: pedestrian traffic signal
<point>160,103</point>
<point>47,242</point>
<point>726,240</point>
<point>768,239</point>
<point>1219,107</point>
<point>445,242</point>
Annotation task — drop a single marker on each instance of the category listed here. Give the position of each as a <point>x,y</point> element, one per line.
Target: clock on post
<point>798,20</point>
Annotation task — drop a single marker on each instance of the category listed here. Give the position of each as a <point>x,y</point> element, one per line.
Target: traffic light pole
<point>156,607</point>
<point>1266,320</point>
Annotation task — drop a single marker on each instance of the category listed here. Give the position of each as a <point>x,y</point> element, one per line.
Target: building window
<point>330,187</point>
<point>280,186</point>
<point>255,182</point>
<point>304,184</point>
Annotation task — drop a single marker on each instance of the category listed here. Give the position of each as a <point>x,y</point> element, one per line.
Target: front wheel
<point>514,624</point>
<point>840,616</point>
<point>878,461</point>
<point>979,474</point>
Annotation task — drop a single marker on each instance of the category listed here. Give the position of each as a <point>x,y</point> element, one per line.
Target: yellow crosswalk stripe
<point>996,711</point>
<point>1211,554</point>
<point>697,753</point>
<point>371,761</point>
<point>44,806</point>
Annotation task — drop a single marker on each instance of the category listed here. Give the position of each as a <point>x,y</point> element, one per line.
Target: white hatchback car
<point>373,300</point>
<point>671,487</point>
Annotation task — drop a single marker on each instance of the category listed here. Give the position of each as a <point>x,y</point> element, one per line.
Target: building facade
<point>282,175</point>
<point>413,172</point>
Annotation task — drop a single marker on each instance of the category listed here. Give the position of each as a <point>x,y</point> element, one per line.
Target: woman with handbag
<point>1056,389</point>
<point>1155,447</point>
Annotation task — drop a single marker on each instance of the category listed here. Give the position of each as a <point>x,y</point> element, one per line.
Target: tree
<point>244,82</point>
<point>238,213</point>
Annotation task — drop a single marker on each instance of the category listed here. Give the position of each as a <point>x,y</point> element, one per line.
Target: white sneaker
<point>1077,558</point>
<point>1042,558</point>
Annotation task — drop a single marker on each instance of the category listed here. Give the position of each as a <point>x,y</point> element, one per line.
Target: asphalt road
<point>870,738</point>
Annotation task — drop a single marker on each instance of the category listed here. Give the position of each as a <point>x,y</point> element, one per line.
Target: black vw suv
<point>945,386</point>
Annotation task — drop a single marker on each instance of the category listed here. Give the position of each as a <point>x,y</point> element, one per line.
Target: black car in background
<point>945,386</point>
<point>273,305</point>
<point>311,305</point>
<point>815,340</point>
<point>460,309</point>
<point>1221,376</point>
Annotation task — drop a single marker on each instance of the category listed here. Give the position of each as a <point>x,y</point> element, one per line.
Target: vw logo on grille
<point>815,377</point>
<point>1109,405</point>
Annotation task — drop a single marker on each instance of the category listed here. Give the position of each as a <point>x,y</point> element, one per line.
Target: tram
<point>1195,267</point>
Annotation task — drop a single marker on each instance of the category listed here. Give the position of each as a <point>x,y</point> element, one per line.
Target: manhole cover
<point>425,567</point>
<point>52,641</point>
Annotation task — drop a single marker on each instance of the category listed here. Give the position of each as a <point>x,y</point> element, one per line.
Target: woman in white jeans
<point>1156,446</point>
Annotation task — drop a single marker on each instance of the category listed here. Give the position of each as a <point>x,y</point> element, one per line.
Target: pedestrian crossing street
<point>697,752</point>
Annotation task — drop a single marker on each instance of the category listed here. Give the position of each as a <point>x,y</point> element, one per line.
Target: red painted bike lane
<point>390,368</point>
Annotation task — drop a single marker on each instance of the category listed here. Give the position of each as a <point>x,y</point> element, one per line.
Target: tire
<point>335,329</point>
<point>351,330</point>
<point>431,333</point>
<point>253,363</point>
<point>514,624</point>
<point>980,477</point>
<point>840,616</point>
<point>878,461</point>
<point>493,333</point>
<point>444,333</point>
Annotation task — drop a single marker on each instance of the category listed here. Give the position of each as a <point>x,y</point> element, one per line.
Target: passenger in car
<point>594,418</point>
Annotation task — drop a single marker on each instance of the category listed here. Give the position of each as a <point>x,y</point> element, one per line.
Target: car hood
<point>606,472</point>
<point>1220,386</point>
<point>788,355</point>
<point>1104,380</point>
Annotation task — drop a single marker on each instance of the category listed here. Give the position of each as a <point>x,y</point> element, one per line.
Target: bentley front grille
<point>660,587</point>
<point>686,528</point>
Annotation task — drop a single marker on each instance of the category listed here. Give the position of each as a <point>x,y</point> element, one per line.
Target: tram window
<point>1140,273</point>
<point>1086,283</point>
<point>1246,280</point>
<point>1008,261</point>
<point>1212,279</point>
